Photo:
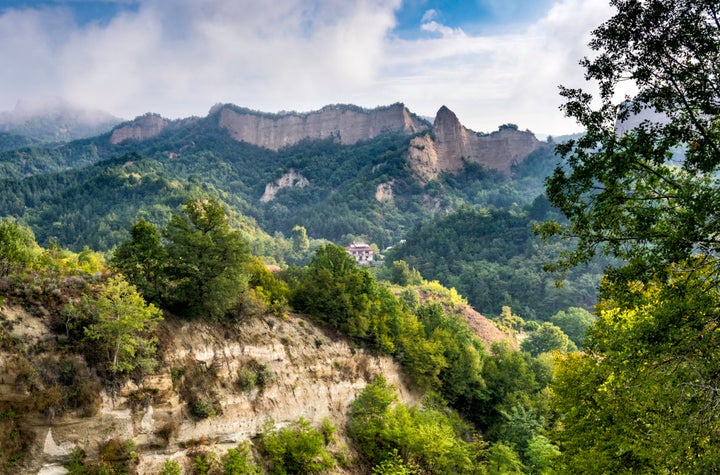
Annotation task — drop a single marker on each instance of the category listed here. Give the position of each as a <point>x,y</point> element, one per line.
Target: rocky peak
<point>454,145</point>
<point>141,128</point>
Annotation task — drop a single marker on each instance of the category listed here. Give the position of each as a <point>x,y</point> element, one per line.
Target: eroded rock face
<point>292,178</point>
<point>347,124</point>
<point>313,375</point>
<point>384,191</point>
<point>455,145</point>
<point>142,128</point>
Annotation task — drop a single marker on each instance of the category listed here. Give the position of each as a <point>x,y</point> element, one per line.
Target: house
<point>362,253</point>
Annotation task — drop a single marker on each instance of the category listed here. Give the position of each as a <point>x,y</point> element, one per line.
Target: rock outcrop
<point>292,178</point>
<point>142,128</point>
<point>347,124</point>
<point>454,145</point>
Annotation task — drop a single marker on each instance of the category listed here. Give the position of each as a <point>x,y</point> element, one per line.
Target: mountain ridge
<point>444,146</point>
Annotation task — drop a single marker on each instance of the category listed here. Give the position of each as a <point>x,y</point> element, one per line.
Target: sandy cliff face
<point>314,375</point>
<point>345,123</point>
<point>142,128</point>
<point>454,145</point>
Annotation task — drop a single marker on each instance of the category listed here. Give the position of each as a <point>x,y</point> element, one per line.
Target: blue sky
<point>490,61</point>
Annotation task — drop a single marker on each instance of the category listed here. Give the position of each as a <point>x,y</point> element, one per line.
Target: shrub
<point>204,462</point>
<point>298,448</point>
<point>171,467</point>
<point>247,379</point>
<point>167,430</point>
<point>239,461</point>
<point>203,408</point>
<point>14,441</point>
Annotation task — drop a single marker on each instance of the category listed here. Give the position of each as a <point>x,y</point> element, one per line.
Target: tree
<point>502,460</point>
<point>574,323</point>
<point>546,338</point>
<point>300,241</point>
<point>337,290</point>
<point>17,245</point>
<point>401,274</point>
<point>205,260</point>
<point>638,400</point>
<point>122,326</point>
<point>295,449</point>
<point>647,194</point>
<point>142,260</point>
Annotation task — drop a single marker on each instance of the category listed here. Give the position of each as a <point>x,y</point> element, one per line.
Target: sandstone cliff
<point>452,145</point>
<point>142,128</point>
<point>314,375</point>
<point>348,124</point>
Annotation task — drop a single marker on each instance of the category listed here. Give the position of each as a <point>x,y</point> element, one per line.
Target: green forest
<point>597,259</point>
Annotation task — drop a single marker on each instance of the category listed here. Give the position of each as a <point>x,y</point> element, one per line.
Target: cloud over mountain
<point>176,57</point>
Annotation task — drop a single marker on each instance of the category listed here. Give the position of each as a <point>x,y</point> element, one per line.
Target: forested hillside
<point>493,258</point>
<point>338,199</point>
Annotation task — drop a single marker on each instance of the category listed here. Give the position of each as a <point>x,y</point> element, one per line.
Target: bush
<point>171,467</point>
<point>239,461</point>
<point>203,408</point>
<point>14,441</point>
<point>247,379</point>
<point>298,448</point>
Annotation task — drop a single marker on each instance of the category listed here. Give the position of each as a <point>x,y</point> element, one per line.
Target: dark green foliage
<point>336,291</point>
<point>272,290</point>
<point>95,206</point>
<point>548,337</point>
<point>653,354</point>
<point>638,400</point>
<point>10,141</point>
<point>575,322</point>
<point>514,384</point>
<point>199,268</point>
<point>142,259</point>
<point>254,375</point>
<point>115,457</point>
<point>631,194</point>
<point>61,190</point>
<point>493,259</point>
<point>205,260</point>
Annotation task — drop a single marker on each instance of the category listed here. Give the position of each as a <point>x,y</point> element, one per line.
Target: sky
<point>492,62</point>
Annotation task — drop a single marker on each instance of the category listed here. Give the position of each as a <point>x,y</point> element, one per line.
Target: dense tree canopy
<point>642,184</point>
<point>647,193</point>
<point>198,268</point>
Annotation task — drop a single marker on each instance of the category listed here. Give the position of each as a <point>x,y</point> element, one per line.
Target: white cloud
<point>445,31</point>
<point>429,15</point>
<point>178,58</point>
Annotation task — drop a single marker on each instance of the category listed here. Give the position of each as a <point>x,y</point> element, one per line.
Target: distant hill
<point>9,141</point>
<point>55,121</point>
